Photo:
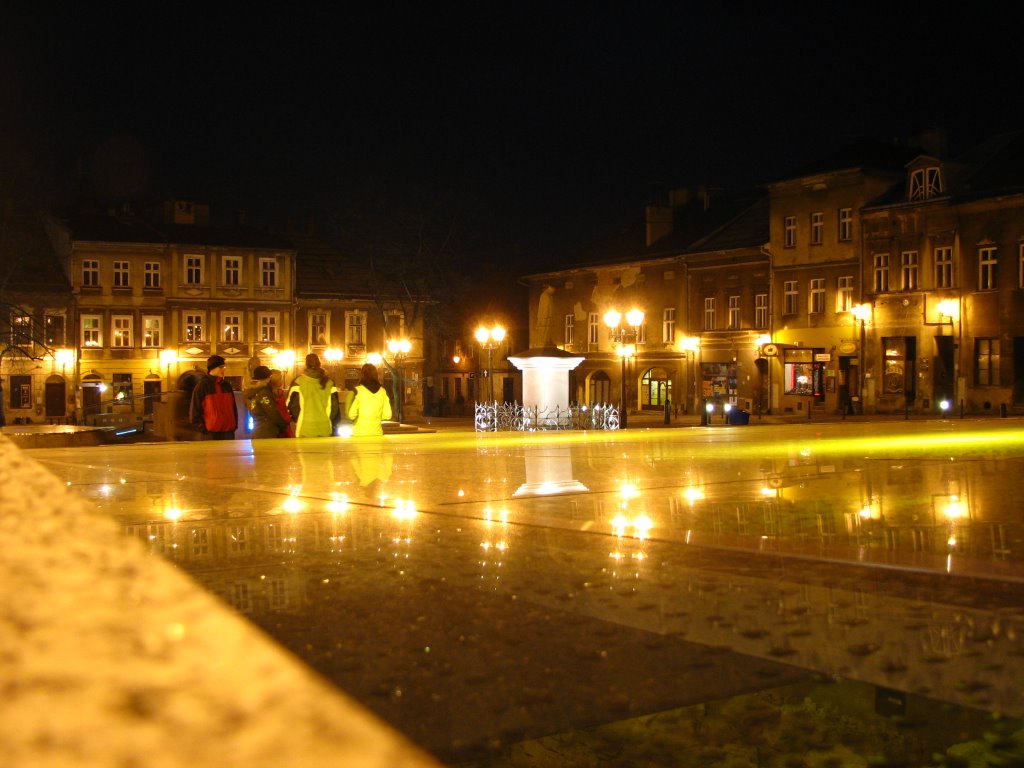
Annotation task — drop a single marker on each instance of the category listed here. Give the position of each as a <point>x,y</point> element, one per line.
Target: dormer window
<point>925,183</point>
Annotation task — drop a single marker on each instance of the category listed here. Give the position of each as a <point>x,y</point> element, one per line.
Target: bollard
<point>1002,410</point>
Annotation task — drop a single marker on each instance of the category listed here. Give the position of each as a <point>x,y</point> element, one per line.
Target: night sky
<point>542,126</point>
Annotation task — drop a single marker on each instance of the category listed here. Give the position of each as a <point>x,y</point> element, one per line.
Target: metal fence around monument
<point>513,417</point>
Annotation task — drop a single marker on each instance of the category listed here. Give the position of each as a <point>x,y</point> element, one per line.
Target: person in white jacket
<point>370,404</point>
<point>313,401</point>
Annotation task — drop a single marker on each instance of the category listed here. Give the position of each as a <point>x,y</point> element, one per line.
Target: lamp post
<point>626,337</point>
<point>949,310</point>
<point>168,356</point>
<point>399,348</point>
<point>691,346</point>
<point>490,339</point>
<point>863,313</point>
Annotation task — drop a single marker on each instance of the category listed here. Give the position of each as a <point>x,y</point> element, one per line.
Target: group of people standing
<point>310,407</point>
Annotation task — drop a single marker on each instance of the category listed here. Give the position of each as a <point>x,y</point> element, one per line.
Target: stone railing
<point>513,417</point>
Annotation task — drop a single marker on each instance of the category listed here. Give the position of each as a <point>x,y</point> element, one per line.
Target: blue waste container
<point>737,417</point>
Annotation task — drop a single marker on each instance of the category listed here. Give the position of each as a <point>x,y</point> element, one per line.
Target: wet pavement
<point>617,598</point>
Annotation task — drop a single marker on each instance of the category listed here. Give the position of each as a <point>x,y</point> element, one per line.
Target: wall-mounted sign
<point>823,357</point>
<point>770,350</point>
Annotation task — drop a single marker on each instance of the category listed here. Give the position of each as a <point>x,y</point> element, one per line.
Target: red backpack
<point>219,412</point>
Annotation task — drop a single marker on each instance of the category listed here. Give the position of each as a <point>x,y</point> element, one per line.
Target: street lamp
<point>399,348</point>
<point>168,356</point>
<point>626,337</point>
<point>862,312</point>
<point>490,339</point>
<point>691,346</point>
<point>949,309</point>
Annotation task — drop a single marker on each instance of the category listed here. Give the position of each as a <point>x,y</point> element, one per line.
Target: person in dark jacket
<point>267,420</point>
<point>212,410</point>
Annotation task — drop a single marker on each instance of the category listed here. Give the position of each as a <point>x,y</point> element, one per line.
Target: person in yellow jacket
<point>313,401</point>
<point>370,405</point>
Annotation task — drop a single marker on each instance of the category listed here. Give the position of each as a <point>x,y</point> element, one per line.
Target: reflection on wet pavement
<point>501,599</point>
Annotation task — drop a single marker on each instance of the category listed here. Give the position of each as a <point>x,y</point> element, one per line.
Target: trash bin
<point>737,417</point>
<point>855,406</point>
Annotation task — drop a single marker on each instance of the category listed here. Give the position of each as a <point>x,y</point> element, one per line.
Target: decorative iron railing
<point>513,417</point>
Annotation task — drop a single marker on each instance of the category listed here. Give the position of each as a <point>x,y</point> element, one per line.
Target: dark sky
<point>545,125</point>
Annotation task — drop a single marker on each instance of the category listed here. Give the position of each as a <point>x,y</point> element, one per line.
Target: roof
<point>322,271</point>
<point>867,155</point>
<point>87,226</point>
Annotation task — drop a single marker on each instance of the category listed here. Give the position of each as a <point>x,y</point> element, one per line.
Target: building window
<point>668,325</point>
<point>789,232</point>
<point>735,321</point>
<point>944,267</point>
<point>987,268</point>
<point>152,275</point>
<point>53,330</point>
<point>21,391</point>
<point>986,362</point>
<point>895,365</point>
<point>816,303</point>
<point>355,327</point>
<point>790,297</point>
<point>845,231</point>
<point>194,269</point>
<point>232,270</point>
<point>121,331</point>
<point>801,375</point>
<point>90,273</point>
<point>92,335</point>
<point>844,294</point>
<point>268,327</point>
<point>318,328</point>
<point>709,313</point>
<point>881,272</point>
<point>122,387</point>
<point>232,325</point>
<point>908,271</point>
<point>268,273</point>
<point>761,310</point>
<point>121,274</point>
<point>641,334</point>
<point>817,228</point>
<point>152,327</point>
<point>194,322</point>
<point>570,329</point>
<point>593,330</point>
<point>925,183</point>
<point>21,330</point>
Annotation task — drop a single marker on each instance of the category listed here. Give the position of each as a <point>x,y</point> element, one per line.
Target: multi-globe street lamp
<point>399,349</point>
<point>490,339</point>
<point>625,336</point>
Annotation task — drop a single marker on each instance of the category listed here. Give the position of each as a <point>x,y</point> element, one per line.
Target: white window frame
<point>152,331</point>
<point>880,274</point>
<point>844,293</point>
<point>593,330</point>
<point>816,296</point>
<point>668,325</point>
<point>269,324</point>
<point>817,228</point>
<point>735,317</point>
<point>231,271</point>
<point>844,225</point>
<point>122,274</point>
<point>789,232</point>
<point>760,310</point>
<point>325,320</point>
<point>92,331</point>
<point>194,265</point>
<point>709,313</point>
<point>570,329</point>
<point>231,326</point>
<point>988,268</point>
<point>152,275</point>
<point>944,277</point>
<point>121,332</point>
<point>790,297</point>
<point>268,272</point>
<point>193,326</point>
<point>925,183</point>
<point>355,327</point>
<point>910,275</point>
<point>90,273</point>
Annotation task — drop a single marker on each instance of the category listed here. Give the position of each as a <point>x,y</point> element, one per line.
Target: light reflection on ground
<point>440,581</point>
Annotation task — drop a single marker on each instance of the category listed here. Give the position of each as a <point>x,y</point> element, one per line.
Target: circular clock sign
<point>770,350</point>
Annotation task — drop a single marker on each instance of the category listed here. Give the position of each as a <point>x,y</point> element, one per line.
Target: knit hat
<point>214,361</point>
<point>260,372</point>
